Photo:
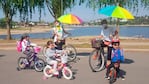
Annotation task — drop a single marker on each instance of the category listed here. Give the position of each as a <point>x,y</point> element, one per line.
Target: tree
<point>133,5</point>
<point>27,7</point>
<point>2,23</point>
<point>58,7</point>
<point>24,7</point>
<point>9,10</point>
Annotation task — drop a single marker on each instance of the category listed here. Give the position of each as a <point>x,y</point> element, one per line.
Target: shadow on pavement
<point>83,54</point>
<point>123,73</point>
<point>128,61</point>
<point>2,55</point>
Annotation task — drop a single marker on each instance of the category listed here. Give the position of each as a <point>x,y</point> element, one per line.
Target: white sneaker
<point>123,78</point>
<point>107,77</point>
<point>55,72</point>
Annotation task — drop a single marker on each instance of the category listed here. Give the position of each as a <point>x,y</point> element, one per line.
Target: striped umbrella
<point>70,19</point>
<point>116,11</point>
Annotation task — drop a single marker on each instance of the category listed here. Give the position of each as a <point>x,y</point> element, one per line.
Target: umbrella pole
<point>117,26</point>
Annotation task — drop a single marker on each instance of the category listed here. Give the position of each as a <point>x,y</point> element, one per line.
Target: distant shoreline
<point>41,29</point>
<point>100,25</point>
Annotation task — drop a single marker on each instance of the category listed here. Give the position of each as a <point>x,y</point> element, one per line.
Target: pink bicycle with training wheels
<point>62,68</point>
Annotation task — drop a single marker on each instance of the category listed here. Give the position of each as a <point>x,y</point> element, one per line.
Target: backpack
<point>19,46</point>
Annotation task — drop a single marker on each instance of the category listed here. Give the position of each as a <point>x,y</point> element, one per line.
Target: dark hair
<point>104,21</point>
<point>57,21</point>
<point>25,35</point>
<point>49,42</point>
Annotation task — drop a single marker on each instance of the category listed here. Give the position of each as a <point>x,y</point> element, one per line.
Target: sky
<point>86,14</point>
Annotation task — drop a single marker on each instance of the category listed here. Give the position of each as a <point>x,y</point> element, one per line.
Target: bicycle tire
<point>67,73</point>
<point>72,54</point>
<point>112,76</point>
<point>97,64</point>
<point>22,62</point>
<point>46,71</point>
<point>39,65</point>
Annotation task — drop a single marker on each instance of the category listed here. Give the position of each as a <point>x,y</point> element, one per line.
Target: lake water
<point>125,31</point>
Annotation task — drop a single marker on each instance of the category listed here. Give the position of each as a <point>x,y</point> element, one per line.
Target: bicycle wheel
<point>72,52</point>
<point>96,64</point>
<point>67,73</point>
<point>112,76</point>
<point>22,62</point>
<point>44,50</point>
<point>46,71</point>
<point>39,65</point>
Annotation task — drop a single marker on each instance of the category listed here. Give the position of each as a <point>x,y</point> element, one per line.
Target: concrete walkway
<point>134,69</point>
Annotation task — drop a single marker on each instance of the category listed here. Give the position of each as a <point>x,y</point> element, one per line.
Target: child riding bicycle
<point>26,44</point>
<point>116,58</point>
<point>28,48</point>
<point>53,56</point>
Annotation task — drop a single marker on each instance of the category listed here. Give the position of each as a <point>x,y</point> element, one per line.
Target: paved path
<point>135,69</point>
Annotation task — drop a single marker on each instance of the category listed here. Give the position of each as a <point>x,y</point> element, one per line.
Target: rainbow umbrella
<point>70,19</point>
<point>116,11</point>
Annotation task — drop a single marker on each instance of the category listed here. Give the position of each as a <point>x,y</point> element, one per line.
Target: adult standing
<point>107,36</point>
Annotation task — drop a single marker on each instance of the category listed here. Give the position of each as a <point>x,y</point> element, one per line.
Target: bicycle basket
<point>37,49</point>
<point>96,43</point>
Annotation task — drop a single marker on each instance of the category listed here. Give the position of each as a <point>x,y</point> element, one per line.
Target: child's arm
<point>122,55</point>
<point>50,53</point>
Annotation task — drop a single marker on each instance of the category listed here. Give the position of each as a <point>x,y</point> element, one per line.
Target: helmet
<point>115,41</point>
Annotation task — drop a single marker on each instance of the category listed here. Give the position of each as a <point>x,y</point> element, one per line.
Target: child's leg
<point>118,71</point>
<point>28,53</point>
<point>119,74</point>
<point>54,62</point>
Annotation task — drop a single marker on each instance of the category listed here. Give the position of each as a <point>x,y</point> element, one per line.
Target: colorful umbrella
<point>70,19</point>
<point>116,11</point>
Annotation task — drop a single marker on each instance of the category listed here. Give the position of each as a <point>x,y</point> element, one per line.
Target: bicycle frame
<point>35,51</point>
<point>31,61</point>
<point>33,58</point>
<point>60,66</point>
